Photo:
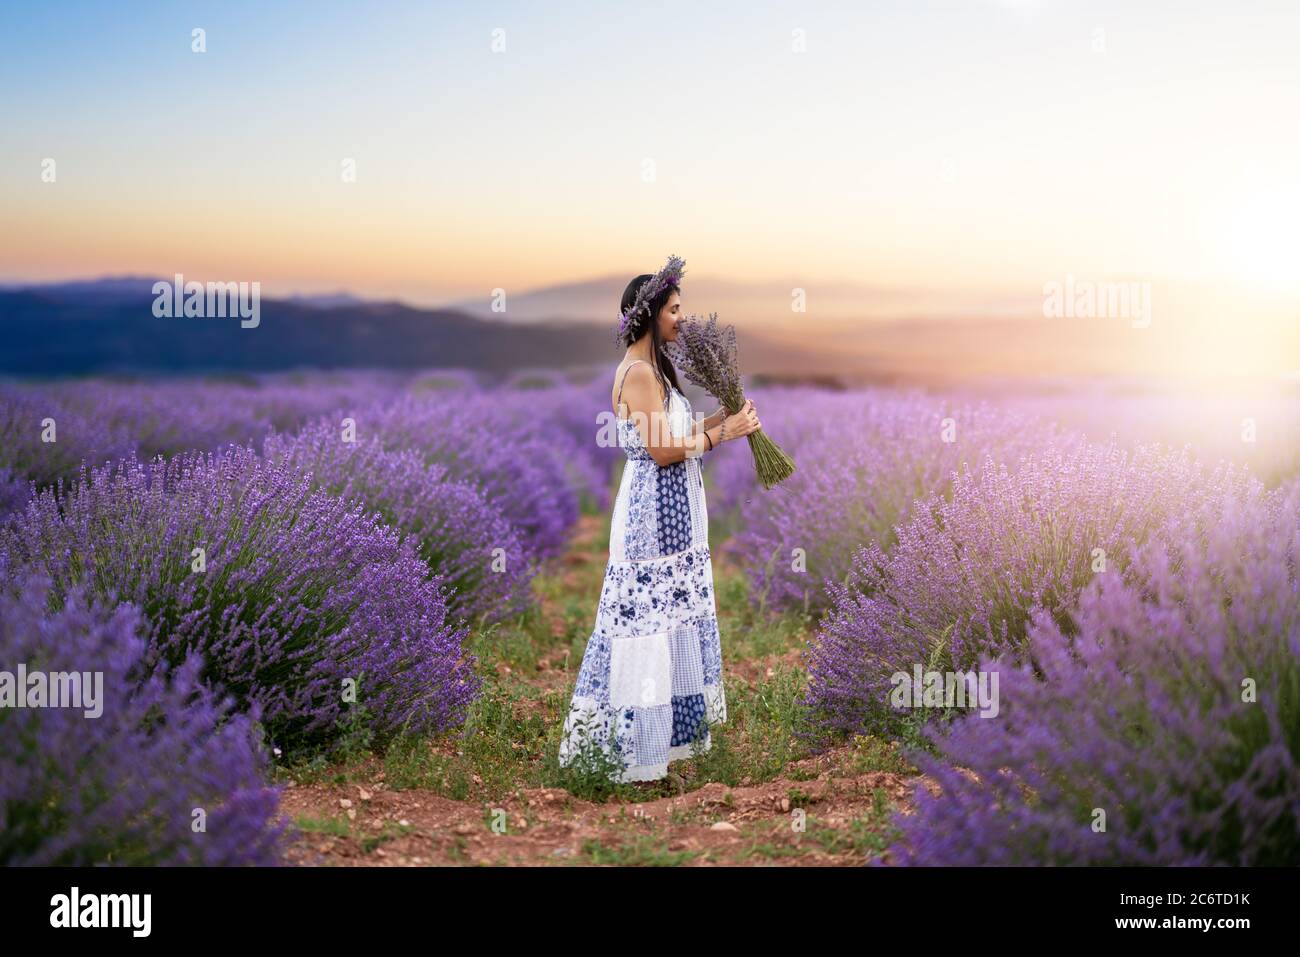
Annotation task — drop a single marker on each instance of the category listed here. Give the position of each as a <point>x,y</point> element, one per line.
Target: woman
<point>650,683</point>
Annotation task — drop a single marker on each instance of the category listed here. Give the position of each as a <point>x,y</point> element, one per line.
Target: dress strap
<point>619,400</point>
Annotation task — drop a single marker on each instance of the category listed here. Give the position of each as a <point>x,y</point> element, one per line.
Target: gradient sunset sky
<point>982,147</point>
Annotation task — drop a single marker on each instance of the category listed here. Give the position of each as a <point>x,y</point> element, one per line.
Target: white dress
<point>650,683</point>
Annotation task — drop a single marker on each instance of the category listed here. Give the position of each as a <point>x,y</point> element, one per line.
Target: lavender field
<point>338,617</point>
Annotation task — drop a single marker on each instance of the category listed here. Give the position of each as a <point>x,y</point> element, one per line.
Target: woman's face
<point>668,317</point>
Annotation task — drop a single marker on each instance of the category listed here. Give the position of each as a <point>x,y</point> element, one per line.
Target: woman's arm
<point>644,401</point>
<point>710,421</point>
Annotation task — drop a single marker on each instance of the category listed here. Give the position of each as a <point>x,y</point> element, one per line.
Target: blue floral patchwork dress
<point>650,684</point>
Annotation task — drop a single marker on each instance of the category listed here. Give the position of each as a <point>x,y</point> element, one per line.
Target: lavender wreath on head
<point>670,275</point>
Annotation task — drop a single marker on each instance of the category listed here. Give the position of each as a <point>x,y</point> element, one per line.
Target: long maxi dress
<point>650,684</point>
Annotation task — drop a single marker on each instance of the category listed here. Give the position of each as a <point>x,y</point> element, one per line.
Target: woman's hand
<point>743,422</point>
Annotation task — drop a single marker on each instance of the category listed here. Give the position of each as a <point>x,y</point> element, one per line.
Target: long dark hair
<point>663,368</point>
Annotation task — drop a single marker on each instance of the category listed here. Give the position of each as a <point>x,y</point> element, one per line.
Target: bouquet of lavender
<point>706,354</point>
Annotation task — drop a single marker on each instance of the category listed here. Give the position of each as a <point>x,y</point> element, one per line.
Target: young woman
<point>650,683</point>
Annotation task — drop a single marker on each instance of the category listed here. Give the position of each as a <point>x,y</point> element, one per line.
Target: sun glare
<point>1262,240</point>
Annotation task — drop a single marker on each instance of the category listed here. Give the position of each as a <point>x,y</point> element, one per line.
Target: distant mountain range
<point>764,303</point>
<point>108,326</point>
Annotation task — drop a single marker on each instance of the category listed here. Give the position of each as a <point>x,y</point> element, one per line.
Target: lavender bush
<point>969,570</point>
<point>463,537</point>
<point>1260,430</point>
<point>14,492</point>
<point>1172,705</point>
<point>44,437</point>
<point>98,421</point>
<point>302,596</point>
<point>123,787</point>
<point>566,415</point>
<point>867,457</point>
<point>525,472</point>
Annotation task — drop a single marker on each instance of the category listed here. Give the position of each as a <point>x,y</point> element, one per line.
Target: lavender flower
<point>706,354</point>
<point>14,492</point>
<point>670,275</point>
<point>968,571</point>
<point>1171,705</point>
<point>98,421</point>
<point>45,437</point>
<point>123,787</point>
<point>463,537</point>
<point>525,471</point>
<point>300,596</point>
<point>866,456</point>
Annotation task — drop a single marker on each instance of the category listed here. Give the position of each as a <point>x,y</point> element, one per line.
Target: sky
<point>972,150</point>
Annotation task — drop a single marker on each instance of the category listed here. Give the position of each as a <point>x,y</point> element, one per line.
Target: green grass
<point>390,832</point>
<point>749,633</point>
<point>868,835</point>
<point>638,851</point>
<point>512,733</point>
<point>511,737</point>
<point>334,827</point>
<point>871,753</point>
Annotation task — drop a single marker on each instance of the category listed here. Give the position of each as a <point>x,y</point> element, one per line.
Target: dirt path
<point>713,824</point>
<point>833,808</point>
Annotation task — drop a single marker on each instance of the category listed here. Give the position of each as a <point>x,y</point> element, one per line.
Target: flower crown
<point>670,275</point>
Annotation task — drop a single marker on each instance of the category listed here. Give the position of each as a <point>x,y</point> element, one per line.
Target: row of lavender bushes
<point>1123,590</point>
<point>972,564</point>
<point>244,575</point>
<point>980,537</point>
<point>169,773</point>
<point>863,458</point>
<point>297,591</point>
<point>1165,708</point>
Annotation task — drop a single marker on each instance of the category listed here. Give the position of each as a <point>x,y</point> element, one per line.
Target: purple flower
<point>706,353</point>
<point>298,602</point>
<point>1162,727</point>
<point>465,538</point>
<point>670,275</point>
<point>128,785</point>
<point>969,569</point>
<point>868,456</point>
<point>492,441</point>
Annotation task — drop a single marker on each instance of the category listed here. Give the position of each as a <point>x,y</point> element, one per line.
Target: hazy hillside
<point>110,327</point>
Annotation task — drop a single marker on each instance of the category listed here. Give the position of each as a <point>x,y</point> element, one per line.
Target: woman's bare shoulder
<point>637,375</point>
<point>636,370</point>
